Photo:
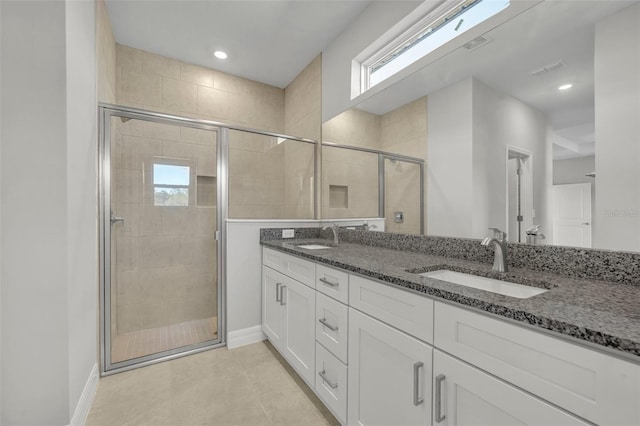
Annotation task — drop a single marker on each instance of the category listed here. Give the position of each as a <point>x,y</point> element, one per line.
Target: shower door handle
<point>116,219</point>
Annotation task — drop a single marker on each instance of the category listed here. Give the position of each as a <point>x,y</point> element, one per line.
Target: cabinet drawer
<point>292,266</point>
<point>465,395</point>
<point>407,311</point>
<point>331,382</point>
<point>332,326</point>
<point>597,387</point>
<point>333,283</point>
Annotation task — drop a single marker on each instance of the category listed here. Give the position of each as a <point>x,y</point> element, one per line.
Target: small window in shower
<point>171,185</point>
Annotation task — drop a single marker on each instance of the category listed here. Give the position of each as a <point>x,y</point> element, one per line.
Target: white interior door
<point>572,215</point>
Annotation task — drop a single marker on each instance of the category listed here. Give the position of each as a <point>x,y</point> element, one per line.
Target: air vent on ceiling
<point>478,42</point>
<point>548,68</point>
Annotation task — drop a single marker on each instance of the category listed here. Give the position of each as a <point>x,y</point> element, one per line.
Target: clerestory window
<point>446,22</point>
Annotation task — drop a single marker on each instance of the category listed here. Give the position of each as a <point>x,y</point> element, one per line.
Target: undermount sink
<point>483,283</point>
<point>313,246</point>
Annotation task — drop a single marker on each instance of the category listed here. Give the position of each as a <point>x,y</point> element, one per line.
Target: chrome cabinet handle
<point>278,294</point>
<point>324,322</point>
<point>585,223</point>
<point>329,283</point>
<point>416,383</point>
<point>322,374</point>
<point>282,301</point>
<point>438,399</point>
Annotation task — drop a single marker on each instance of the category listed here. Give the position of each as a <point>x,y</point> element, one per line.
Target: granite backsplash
<point>605,265</point>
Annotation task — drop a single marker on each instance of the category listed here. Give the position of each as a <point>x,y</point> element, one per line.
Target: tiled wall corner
<point>150,81</point>
<point>105,54</point>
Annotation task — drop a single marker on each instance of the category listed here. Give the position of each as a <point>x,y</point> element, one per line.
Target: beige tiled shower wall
<point>149,81</point>
<point>357,173</point>
<point>353,127</point>
<point>303,102</point>
<point>256,176</point>
<point>404,131</point>
<point>302,117</point>
<point>401,131</point>
<point>106,55</point>
<point>402,194</point>
<point>164,256</point>
<point>352,171</point>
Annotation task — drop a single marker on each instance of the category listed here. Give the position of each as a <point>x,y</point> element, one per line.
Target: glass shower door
<point>162,286</point>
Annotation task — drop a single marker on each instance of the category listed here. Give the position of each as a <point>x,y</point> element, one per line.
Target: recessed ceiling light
<point>565,86</point>
<point>220,54</point>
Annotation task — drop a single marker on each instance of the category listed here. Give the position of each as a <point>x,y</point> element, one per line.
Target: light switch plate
<point>288,233</point>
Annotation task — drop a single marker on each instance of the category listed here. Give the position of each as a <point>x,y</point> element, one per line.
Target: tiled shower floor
<point>146,342</point>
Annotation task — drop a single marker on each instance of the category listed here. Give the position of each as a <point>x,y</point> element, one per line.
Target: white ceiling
<point>269,41</point>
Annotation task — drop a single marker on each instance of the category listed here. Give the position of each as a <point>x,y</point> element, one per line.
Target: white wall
<point>499,121</point>
<point>0,216</point>
<point>449,161</point>
<point>82,194</point>
<point>48,203</point>
<point>617,88</point>
<point>35,348</point>
<point>376,19</point>
<point>470,126</point>
<point>573,170</point>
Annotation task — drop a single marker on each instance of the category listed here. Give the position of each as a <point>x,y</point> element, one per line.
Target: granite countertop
<point>604,313</point>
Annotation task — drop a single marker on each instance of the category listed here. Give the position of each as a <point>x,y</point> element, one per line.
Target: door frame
<point>106,112</point>
<point>527,156</point>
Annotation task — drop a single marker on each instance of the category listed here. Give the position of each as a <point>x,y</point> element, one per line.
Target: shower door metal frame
<point>383,155</point>
<point>106,112</point>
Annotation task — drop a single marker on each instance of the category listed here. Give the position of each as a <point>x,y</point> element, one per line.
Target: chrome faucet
<point>334,228</point>
<point>368,227</point>
<point>500,255</point>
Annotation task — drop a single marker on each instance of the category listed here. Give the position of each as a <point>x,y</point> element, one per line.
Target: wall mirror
<point>532,125</point>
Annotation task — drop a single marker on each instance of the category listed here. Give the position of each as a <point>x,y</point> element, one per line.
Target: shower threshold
<point>140,343</point>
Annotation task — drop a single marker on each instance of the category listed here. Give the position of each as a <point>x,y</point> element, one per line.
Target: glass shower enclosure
<point>161,285</point>
<point>167,186</point>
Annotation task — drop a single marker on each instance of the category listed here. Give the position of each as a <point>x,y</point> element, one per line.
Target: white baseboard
<point>86,399</point>
<point>246,336</point>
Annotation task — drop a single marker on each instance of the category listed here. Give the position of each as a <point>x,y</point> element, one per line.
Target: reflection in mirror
<point>509,147</point>
<point>349,185</point>
<point>402,201</point>
<point>354,176</point>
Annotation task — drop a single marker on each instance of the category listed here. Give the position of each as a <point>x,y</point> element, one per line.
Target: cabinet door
<point>389,375</point>
<point>300,330</point>
<point>272,310</point>
<point>464,395</point>
<point>588,383</point>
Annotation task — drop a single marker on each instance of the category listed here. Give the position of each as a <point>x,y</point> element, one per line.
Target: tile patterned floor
<point>145,342</point>
<point>251,385</point>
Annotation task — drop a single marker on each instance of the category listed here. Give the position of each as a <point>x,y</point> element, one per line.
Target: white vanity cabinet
<point>389,375</point>
<point>595,386</point>
<point>465,395</point>
<point>288,320</point>
<point>387,356</point>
